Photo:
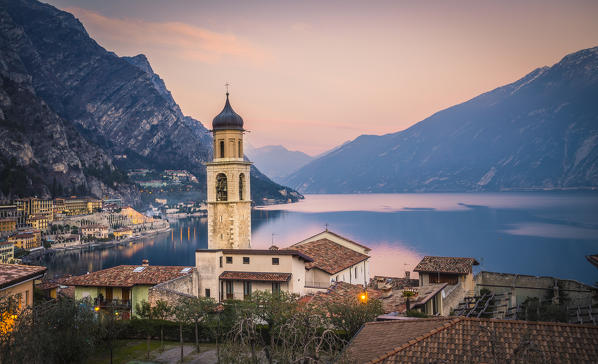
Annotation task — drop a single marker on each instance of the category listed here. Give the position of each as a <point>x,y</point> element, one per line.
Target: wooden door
<point>109,294</point>
<point>126,294</point>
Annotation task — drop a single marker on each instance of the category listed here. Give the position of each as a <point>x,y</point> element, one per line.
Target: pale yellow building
<point>95,230</point>
<point>134,216</point>
<point>123,287</point>
<point>73,206</point>
<point>228,195</point>
<point>7,252</point>
<point>123,232</point>
<point>36,206</point>
<point>8,224</point>
<point>38,222</point>
<point>17,283</point>
<point>26,240</point>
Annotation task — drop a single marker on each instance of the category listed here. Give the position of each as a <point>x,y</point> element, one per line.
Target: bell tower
<point>229,198</point>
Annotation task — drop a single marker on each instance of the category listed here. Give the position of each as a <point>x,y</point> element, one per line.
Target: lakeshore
<point>556,228</point>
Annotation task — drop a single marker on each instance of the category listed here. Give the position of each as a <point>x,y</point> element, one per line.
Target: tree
<point>109,327</point>
<point>59,331</point>
<point>199,310</point>
<point>144,311</point>
<point>349,315</point>
<point>181,314</point>
<point>161,311</point>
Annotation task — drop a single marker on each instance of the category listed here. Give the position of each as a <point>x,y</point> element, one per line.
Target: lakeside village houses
<point>328,267</point>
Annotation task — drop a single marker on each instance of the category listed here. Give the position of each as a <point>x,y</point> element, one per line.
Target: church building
<point>230,268</point>
<point>229,200</point>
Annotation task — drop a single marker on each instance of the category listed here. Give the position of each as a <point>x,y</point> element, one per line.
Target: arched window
<point>222,149</point>
<point>241,185</point>
<point>221,187</point>
<point>240,154</point>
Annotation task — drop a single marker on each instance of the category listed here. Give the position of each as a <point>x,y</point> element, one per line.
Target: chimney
<point>407,274</point>
<point>145,263</point>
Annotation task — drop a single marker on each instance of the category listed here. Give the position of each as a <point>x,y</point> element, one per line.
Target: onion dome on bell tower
<point>228,119</point>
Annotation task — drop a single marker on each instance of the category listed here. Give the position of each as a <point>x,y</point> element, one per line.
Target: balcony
<point>114,303</point>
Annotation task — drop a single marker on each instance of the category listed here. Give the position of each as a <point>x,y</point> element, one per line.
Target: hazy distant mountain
<point>117,104</point>
<point>276,161</point>
<point>540,132</point>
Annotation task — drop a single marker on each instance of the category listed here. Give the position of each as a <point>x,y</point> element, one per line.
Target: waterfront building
<point>73,206</point>
<point>95,230</point>
<point>35,206</point>
<point>228,184</point>
<point>124,232</point>
<point>134,217</point>
<point>7,252</point>
<point>38,222</point>
<point>7,225</point>
<point>125,286</point>
<point>9,212</point>
<point>26,240</point>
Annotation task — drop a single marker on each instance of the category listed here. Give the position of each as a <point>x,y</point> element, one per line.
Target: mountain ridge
<point>518,136</point>
<point>116,103</point>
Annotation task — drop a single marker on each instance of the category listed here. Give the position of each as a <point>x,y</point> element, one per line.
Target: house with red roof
<point>310,266</point>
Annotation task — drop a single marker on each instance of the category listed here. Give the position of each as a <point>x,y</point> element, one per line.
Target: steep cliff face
<point>540,132</point>
<point>116,103</point>
<point>40,153</point>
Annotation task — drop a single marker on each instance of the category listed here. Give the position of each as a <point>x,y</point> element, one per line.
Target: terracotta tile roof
<point>330,256</point>
<point>472,340</point>
<point>377,338</point>
<point>14,273</point>
<point>260,252</point>
<point>338,292</point>
<point>446,265</point>
<point>256,276</point>
<point>128,276</point>
<point>341,237</point>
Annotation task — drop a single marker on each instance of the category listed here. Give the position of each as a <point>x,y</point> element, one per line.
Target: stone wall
<point>522,286</point>
<point>173,290</point>
<point>452,296</point>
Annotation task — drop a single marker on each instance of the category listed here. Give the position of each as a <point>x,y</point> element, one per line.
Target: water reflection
<point>527,233</point>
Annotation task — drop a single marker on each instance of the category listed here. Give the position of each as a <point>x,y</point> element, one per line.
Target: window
<point>221,187</point>
<point>220,262</point>
<point>275,261</point>
<point>246,290</point>
<point>355,272</point>
<point>241,185</point>
<point>207,292</point>
<point>240,151</point>
<point>222,149</point>
<point>275,287</point>
<point>245,260</point>
<point>229,260</point>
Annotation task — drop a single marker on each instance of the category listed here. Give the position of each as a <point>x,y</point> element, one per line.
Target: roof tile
<point>128,276</point>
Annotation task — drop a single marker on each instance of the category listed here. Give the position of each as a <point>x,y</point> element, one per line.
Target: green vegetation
<point>416,313</point>
<point>266,327</point>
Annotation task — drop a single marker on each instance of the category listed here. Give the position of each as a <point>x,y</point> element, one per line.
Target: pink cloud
<point>182,40</point>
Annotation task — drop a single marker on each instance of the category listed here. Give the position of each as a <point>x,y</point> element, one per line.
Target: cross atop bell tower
<point>229,198</point>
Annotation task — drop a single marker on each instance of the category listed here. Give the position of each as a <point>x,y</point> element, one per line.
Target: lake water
<point>539,233</point>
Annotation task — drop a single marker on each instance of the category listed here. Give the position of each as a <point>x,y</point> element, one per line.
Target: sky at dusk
<point>313,74</point>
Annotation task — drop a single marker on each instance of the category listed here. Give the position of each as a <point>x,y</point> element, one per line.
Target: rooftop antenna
<point>273,239</point>
<point>326,226</point>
